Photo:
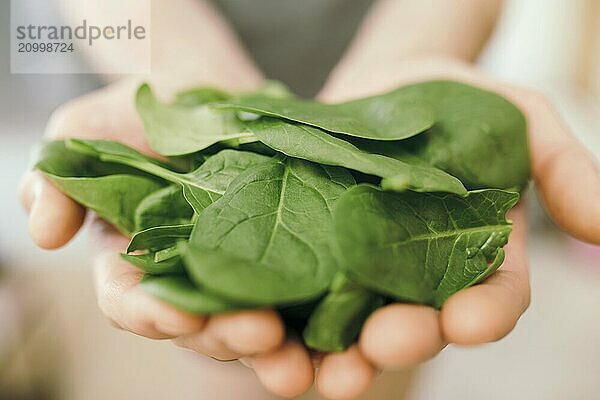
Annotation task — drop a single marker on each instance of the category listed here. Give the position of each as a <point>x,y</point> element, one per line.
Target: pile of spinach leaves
<point>324,212</point>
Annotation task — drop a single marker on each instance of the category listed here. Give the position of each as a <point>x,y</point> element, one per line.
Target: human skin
<point>395,336</point>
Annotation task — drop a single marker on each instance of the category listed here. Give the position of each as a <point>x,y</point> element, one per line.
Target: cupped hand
<point>54,219</point>
<point>395,336</point>
<point>567,178</point>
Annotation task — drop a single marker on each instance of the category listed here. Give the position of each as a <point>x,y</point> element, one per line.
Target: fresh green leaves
<point>325,212</point>
<point>303,141</point>
<point>175,129</point>
<point>89,182</point>
<point>193,123</point>
<point>473,134</point>
<point>207,183</point>
<point>421,247</point>
<point>394,116</point>
<point>269,233</point>
<point>113,197</point>
<point>166,206</point>
<point>479,137</point>
<point>178,291</point>
<point>201,187</point>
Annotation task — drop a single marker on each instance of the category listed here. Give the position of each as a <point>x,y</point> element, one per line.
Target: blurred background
<point>54,343</point>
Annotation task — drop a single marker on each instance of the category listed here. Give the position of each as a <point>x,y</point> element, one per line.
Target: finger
<point>237,334</point>
<point>286,371</point>
<point>344,375</point>
<point>206,343</point>
<point>400,335</point>
<point>53,217</point>
<point>123,301</point>
<point>489,311</point>
<point>566,173</point>
<point>249,332</point>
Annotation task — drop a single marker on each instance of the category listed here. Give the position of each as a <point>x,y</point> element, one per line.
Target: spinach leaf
<point>201,187</point>
<point>159,237</point>
<point>475,135</point>
<point>113,197</point>
<point>258,204</point>
<point>479,137</point>
<point>393,116</point>
<point>266,241</point>
<point>148,264</point>
<point>166,206</point>
<point>337,320</point>
<point>315,145</point>
<point>175,129</point>
<point>178,291</point>
<point>55,158</point>
<point>88,181</point>
<point>421,247</point>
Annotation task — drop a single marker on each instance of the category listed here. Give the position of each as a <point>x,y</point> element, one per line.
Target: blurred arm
<point>191,43</point>
<point>396,30</point>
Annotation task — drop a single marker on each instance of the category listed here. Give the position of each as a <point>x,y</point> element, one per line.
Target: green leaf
<point>421,247</point>
<point>479,137</point>
<point>166,206</point>
<point>473,134</point>
<point>219,170</point>
<point>338,318</point>
<point>266,241</point>
<point>148,264</point>
<point>57,158</point>
<point>393,116</point>
<point>315,145</point>
<point>88,181</point>
<point>175,129</point>
<point>201,187</point>
<point>181,293</point>
<point>159,237</point>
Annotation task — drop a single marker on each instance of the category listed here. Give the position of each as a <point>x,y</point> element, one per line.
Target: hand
<point>395,336</point>
<point>54,219</point>
<point>568,180</point>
